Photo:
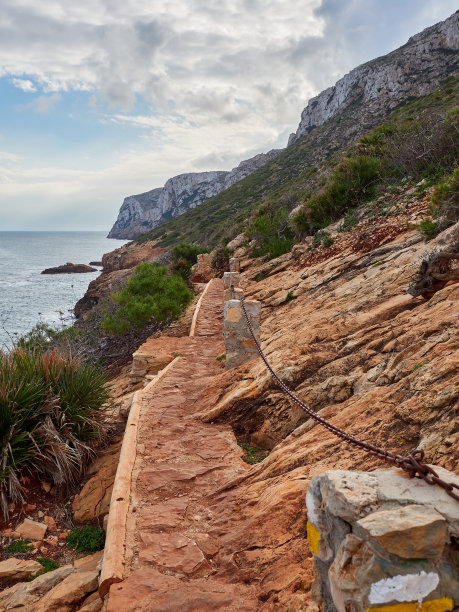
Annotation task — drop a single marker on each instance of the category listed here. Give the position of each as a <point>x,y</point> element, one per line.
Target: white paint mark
<point>311,505</point>
<point>412,587</point>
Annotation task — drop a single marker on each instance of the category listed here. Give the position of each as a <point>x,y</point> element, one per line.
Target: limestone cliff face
<point>365,97</point>
<point>140,213</point>
<point>377,87</point>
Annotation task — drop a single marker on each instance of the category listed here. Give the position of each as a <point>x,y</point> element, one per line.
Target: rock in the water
<point>32,530</point>
<point>69,268</point>
<point>96,263</point>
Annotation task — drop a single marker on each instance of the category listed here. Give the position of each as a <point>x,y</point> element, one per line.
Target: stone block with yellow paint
<point>383,542</point>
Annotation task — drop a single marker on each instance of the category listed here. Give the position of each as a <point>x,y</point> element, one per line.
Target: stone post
<point>239,343</point>
<point>230,283</point>
<point>234,264</point>
<point>382,541</point>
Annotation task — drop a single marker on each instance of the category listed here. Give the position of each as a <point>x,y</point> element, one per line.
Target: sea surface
<point>26,295</point>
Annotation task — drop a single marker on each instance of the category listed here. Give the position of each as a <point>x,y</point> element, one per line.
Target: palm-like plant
<point>52,416</point>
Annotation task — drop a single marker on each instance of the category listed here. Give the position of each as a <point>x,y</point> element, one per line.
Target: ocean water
<point>26,295</point>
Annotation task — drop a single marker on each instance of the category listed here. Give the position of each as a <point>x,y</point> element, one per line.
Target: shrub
<point>445,201</point>
<point>86,539</point>
<point>253,454</point>
<point>221,258</point>
<point>184,256</point>
<point>150,293</point>
<point>353,182</point>
<point>271,231</point>
<point>52,414</point>
<point>48,566</point>
<point>429,229</point>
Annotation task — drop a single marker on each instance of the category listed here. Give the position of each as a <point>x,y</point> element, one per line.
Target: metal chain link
<point>412,463</point>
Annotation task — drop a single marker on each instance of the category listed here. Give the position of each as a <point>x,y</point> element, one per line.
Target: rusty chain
<point>412,463</point>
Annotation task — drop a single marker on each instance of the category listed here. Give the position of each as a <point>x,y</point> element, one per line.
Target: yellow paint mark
<point>436,605</point>
<point>313,538</point>
<point>233,315</point>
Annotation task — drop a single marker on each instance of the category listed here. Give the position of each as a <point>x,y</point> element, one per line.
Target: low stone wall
<point>382,541</point>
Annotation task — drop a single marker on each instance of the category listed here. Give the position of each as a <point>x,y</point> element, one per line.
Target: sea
<point>27,296</point>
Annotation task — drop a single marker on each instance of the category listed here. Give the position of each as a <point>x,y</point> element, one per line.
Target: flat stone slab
<point>166,515</point>
<point>148,589</point>
<point>158,477</point>
<point>18,569</point>
<point>171,551</point>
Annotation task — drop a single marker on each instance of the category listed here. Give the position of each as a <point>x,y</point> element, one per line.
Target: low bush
<point>445,200</point>
<point>52,415</point>
<point>150,293</point>
<point>48,565</point>
<point>184,256</point>
<point>86,539</point>
<point>444,207</point>
<point>352,182</point>
<point>271,231</point>
<point>19,547</point>
<point>220,260</point>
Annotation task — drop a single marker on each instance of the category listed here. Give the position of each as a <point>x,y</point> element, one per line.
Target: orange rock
<point>32,530</point>
<point>48,520</point>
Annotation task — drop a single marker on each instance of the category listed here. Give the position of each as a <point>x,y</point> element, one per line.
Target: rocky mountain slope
<point>359,101</point>
<point>382,84</point>
<point>142,212</point>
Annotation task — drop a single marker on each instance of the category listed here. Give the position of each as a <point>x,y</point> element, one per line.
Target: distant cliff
<point>377,87</point>
<point>359,101</point>
<point>142,212</point>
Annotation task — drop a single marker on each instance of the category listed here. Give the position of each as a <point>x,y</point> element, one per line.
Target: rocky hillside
<point>142,212</point>
<point>359,101</point>
<point>379,86</point>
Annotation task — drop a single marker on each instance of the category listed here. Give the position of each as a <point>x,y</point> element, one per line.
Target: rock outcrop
<point>379,86</point>
<point>70,268</point>
<point>142,212</point>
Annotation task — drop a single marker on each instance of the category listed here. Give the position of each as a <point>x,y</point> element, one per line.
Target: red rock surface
<point>362,353</point>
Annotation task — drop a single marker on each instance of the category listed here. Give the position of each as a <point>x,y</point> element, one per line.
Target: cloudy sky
<point>100,99</point>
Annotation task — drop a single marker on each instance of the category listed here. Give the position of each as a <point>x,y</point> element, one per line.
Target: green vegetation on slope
<point>301,169</point>
<point>151,292</point>
<point>184,256</point>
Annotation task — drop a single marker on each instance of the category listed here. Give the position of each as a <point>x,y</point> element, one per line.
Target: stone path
<point>172,531</point>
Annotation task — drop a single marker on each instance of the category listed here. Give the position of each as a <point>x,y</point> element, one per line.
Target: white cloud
<point>44,104</point>
<point>24,84</point>
<point>218,81</point>
<point>9,157</point>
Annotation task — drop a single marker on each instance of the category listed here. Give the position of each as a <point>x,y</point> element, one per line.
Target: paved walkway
<point>171,544</point>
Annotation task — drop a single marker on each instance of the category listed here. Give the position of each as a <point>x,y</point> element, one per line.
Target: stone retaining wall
<point>383,542</point>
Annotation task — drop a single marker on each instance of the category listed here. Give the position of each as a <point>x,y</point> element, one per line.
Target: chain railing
<point>412,463</point>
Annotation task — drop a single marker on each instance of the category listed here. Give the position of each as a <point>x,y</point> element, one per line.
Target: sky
<point>101,99</point>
